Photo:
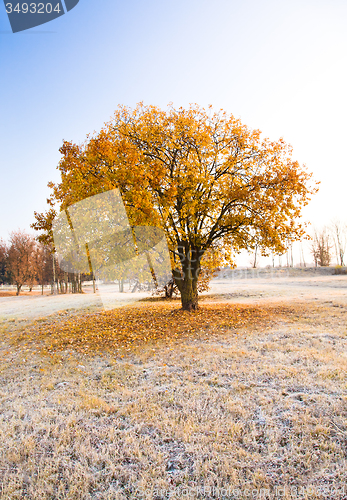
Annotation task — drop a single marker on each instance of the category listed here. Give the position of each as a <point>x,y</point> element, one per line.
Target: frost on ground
<point>148,402</point>
<point>240,285</point>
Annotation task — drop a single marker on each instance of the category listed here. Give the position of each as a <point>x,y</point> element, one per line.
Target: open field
<point>246,398</point>
<point>251,286</point>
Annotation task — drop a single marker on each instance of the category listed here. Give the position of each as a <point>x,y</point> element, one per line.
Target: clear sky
<point>278,65</point>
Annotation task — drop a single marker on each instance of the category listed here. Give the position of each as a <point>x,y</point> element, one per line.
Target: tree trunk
<point>152,270</point>
<point>189,295</point>
<point>187,279</point>
<point>18,289</point>
<point>169,288</point>
<point>188,287</point>
<point>53,260</point>
<point>255,257</point>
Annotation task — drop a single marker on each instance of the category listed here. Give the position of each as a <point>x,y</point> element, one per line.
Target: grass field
<point>238,400</point>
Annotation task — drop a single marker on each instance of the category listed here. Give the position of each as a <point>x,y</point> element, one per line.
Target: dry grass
<point>12,293</point>
<point>147,402</point>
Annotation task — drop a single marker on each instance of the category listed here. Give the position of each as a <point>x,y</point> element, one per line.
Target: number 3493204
<point>32,8</point>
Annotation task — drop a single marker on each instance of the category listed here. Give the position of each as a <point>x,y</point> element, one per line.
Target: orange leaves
<point>132,327</point>
<point>194,172</point>
<point>202,176</point>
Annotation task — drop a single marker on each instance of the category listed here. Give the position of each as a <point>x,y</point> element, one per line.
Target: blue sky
<point>279,66</point>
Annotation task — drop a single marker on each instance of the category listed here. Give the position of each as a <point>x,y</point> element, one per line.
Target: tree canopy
<point>213,185</point>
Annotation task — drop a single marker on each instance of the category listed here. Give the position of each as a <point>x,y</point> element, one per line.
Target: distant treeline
<point>25,261</point>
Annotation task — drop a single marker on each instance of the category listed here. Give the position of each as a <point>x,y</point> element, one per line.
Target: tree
<point>3,261</point>
<point>302,256</point>
<point>43,264</point>
<point>289,253</point>
<point>254,262</point>
<point>321,247</point>
<point>59,278</point>
<point>202,176</point>
<point>339,233</point>
<point>20,258</point>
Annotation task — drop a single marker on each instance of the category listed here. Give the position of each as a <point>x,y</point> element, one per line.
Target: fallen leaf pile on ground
<point>130,327</point>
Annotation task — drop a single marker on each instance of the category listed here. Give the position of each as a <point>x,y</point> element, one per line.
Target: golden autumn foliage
<point>214,186</point>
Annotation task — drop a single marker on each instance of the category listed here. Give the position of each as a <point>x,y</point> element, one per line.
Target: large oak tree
<point>212,184</point>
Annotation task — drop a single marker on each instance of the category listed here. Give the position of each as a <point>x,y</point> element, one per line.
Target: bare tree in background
<point>321,247</point>
<point>289,253</point>
<point>20,258</point>
<point>253,260</point>
<point>43,264</point>
<point>339,233</point>
<point>302,256</point>
<point>255,249</point>
<point>31,280</point>
<point>3,261</point>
